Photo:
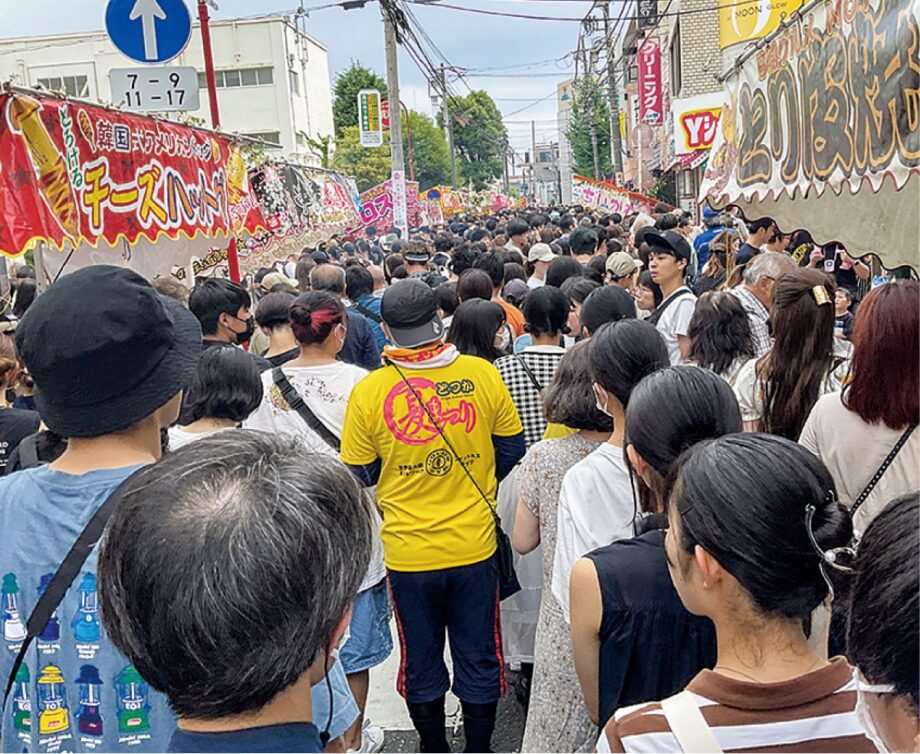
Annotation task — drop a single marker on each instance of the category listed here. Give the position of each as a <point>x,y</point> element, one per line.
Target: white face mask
<point>601,403</point>
<point>863,713</point>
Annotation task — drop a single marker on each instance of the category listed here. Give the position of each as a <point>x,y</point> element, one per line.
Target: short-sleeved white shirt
<point>675,321</point>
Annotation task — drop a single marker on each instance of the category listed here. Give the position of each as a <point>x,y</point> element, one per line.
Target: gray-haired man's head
<point>762,272</point>
<point>229,566</point>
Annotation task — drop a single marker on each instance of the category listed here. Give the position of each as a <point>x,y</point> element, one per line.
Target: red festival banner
<point>651,97</point>
<point>73,173</point>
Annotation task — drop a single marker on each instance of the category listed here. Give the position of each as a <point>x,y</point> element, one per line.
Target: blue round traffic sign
<point>149,31</point>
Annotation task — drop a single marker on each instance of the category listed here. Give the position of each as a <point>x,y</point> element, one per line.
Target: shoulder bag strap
<point>293,399</point>
<point>905,436</point>
<point>28,452</point>
<point>656,315</point>
<point>67,571</point>
<point>529,372</point>
<point>453,451</point>
<point>360,308</point>
<point>688,724</point>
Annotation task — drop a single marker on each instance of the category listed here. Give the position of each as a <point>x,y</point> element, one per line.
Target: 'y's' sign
<point>699,128</point>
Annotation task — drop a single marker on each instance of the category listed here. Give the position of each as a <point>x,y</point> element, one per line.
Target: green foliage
<point>347,85</point>
<point>589,105</point>
<point>322,148</point>
<point>478,137</point>
<point>369,166</point>
<point>430,153</point>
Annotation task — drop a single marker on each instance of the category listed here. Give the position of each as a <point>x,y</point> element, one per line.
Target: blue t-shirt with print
<point>74,691</point>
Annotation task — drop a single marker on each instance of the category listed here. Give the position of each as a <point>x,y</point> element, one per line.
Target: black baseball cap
<point>133,350</point>
<point>409,309</point>
<point>669,242</point>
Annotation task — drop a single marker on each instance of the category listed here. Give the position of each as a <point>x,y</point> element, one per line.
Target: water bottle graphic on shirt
<point>133,705</point>
<point>21,703</point>
<point>52,629</point>
<point>89,719</point>
<point>85,622</point>
<point>13,627</point>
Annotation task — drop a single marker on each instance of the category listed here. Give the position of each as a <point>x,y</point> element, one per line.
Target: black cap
<point>410,311</point>
<point>132,351</point>
<point>669,242</point>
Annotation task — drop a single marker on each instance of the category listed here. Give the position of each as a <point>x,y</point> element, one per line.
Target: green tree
<point>478,137</point>
<point>322,148</point>
<point>429,149</point>
<point>368,166</point>
<point>347,85</point>
<point>589,106</point>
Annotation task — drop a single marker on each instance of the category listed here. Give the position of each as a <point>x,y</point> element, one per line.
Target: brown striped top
<point>811,713</point>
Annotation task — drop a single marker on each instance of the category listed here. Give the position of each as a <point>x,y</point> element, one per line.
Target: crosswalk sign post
<point>149,31</point>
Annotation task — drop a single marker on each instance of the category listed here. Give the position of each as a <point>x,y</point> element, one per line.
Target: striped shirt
<point>811,713</point>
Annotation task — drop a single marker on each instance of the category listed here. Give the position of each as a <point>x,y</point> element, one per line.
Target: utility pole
<point>448,126</point>
<point>533,158</point>
<point>616,146</point>
<point>505,179</point>
<point>388,10</point>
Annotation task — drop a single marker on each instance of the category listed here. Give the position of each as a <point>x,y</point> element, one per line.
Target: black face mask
<point>245,335</point>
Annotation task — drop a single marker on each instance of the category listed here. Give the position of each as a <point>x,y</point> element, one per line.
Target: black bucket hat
<point>106,350</point>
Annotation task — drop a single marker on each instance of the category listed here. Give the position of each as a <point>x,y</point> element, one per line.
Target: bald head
<point>377,275</point>
<point>328,277</point>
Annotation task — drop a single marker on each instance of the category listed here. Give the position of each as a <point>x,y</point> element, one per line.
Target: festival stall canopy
<point>300,207</point>
<point>608,197</point>
<point>820,128</point>
<point>103,184</point>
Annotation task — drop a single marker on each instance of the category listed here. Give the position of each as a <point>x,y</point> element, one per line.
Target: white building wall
<point>237,45</point>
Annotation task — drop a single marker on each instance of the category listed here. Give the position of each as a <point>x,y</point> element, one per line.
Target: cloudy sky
<point>523,56</point>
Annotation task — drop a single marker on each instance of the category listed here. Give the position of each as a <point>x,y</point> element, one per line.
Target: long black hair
<point>624,352</point>
<point>474,326</point>
<point>673,409</point>
<point>744,498</point>
<point>546,311</point>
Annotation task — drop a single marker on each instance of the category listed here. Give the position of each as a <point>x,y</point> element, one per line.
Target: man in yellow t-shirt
<point>438,533</point>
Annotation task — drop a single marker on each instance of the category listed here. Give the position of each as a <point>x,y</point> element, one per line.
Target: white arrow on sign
<point>147,11</point>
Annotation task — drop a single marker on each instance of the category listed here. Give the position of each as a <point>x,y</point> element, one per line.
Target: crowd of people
<point>665,473</point>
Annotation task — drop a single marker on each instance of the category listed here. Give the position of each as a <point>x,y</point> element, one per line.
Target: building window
<point>294,81</point>
<point>72,86</point>
<point>272,137</point>
<point>235,78</point>
<point>675,62</point>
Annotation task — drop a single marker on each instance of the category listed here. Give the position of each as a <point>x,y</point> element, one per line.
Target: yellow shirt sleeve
<point>507,422</point>
<point>358,446</point>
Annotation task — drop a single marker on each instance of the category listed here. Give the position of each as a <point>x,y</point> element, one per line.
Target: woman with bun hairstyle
<point>324,385</point>
<point>754,527</point>
<point>633,639</point>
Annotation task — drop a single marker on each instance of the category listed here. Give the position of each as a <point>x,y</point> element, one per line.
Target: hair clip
<point>830,557</point>
<point>820,294</point>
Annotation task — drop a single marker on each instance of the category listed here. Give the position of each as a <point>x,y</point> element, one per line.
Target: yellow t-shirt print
<point>433,516</point>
